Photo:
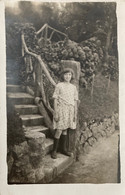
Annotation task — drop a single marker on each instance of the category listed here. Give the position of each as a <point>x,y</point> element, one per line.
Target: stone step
<point>32,119</point>
<point>31,134</point>
<point>54,167</point>
<point>44,130</point>
<point>26,109</point>
<point>15,88</point>
<point>35,135</point>
<point>40,128</point>
<point>20,98</point>
<point>48,145</point>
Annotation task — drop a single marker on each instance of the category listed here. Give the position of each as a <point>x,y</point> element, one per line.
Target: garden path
<point>100,165</point>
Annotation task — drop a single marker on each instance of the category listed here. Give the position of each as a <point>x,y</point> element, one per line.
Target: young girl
<point>65,109</point>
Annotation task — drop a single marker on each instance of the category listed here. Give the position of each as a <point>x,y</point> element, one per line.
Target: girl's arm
<point>75,111</point>
<point>55,96</point>
<point>76,104</point>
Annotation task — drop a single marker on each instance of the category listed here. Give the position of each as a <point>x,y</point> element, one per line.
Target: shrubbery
<point>89,53</point>
<point>15,133</point>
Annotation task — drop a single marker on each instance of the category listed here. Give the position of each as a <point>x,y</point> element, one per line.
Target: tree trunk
<point>108,41</point>
<point>109,80</point>
<point>92,88</point>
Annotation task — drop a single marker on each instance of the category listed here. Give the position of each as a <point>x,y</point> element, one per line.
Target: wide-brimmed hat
<point>65,70</point>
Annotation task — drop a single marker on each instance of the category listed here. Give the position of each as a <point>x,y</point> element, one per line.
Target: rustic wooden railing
<point>48,37</point>
<point>37,71</point>
<point>45,33</point>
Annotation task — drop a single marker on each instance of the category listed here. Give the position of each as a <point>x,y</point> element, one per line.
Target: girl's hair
<point>66,70</point>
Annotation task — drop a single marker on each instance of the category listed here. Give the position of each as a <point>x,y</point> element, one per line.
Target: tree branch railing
<point>41,29</point>
<point>38,57</point>
<point>65,35</point>
<point>38,81</point>
<point>44,30</point>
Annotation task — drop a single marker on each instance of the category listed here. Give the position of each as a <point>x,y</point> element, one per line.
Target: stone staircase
<point>33,122</point>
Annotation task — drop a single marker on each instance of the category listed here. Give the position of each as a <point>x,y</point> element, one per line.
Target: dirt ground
<point>100,165</point>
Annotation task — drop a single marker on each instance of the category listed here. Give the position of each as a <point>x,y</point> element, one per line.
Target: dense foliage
<point>79,20</point>
<point>91,28</point>
<point>90,53</point>
<point>110,69</point>
<point>87,53</point>
<point>15,133</point>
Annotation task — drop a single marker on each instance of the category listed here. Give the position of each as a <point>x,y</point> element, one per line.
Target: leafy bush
<point>89,53</point>
<point>111,68</point>
<point>15,133</point>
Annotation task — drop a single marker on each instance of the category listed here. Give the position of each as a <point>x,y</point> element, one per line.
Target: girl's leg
<point>58,133</point>
<point>64,143</point>
<point>56,143</point>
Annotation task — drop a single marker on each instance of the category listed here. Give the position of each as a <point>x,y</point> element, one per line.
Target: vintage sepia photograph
<point>62,93</point>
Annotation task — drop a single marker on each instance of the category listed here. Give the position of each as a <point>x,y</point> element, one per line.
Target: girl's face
<point>67,77</point>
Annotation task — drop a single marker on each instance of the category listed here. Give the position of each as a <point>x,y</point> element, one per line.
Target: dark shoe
<point>66,153</point>
<point>64,144</point>
<point>54,155</point>
<point>55,146</point>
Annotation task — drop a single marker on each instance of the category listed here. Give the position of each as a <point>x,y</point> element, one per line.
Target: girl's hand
<point>75,118</point>
<point>75,112</point>
<point>56,117</point>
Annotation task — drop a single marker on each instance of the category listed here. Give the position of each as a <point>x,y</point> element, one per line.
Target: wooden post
<point>46,34</point>
<point>30,63</point>
<point>42,88</point>
<point>22,50</point>
<point>51,35</point>
<point>39,82</point>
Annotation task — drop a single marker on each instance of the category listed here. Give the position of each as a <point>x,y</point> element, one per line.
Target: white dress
<point>66,95</point>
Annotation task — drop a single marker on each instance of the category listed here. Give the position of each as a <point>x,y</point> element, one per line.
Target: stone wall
<point>92,131</point>
<point>26,160</point>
